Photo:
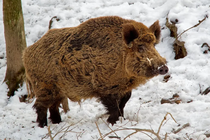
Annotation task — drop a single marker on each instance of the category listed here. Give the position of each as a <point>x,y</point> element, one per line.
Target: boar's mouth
<point>152,71</point>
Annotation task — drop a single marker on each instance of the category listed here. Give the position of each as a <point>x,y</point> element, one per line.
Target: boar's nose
<point>163,69</point>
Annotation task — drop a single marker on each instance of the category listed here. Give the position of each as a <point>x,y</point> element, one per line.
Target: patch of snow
<point>189,76</point>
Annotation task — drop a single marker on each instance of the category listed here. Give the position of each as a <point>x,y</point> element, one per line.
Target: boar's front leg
<point>115,106</point>
<point>54,113</point>
<point>111,102</point>
<point>123,101</point>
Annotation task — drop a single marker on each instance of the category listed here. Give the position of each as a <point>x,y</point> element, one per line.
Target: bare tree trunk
<point>15,43</point>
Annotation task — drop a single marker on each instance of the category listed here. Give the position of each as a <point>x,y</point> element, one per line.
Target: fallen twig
<point>199,22</point>
<point>144,131</point>
<point>110,128</point>
<point>164,120</point>
<point>51,21</point>
<point>205,44</point>
<point>206,91</point>
<point>137,114</point>
<point>114,137</point>
<point>63,130</point>
<point>137,130</point>
<point>179,46</point>
<point>184,126</point>
<point>49,133</point>
<point>99,131</point>
<point>130,135</point>
<point>175,99</point>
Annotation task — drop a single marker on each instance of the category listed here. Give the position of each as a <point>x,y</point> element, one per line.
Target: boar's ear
<point>129,34</point>
<point>155,28</point>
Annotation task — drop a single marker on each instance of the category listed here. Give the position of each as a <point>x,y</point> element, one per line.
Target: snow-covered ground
<point>189,76</point>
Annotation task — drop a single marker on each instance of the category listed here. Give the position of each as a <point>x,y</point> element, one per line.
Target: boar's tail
<point>29,89</point>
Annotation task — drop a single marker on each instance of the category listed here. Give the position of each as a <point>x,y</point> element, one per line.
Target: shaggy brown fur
<point>104,57</point>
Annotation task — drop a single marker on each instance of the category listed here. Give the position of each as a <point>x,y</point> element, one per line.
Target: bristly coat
<point>104,57</point>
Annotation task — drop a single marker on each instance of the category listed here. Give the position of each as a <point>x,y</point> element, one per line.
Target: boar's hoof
<point>55,119</point>
<point>163,69</point>
<point>55,115</point>
<point>113,118</point>
<point>42,123</point>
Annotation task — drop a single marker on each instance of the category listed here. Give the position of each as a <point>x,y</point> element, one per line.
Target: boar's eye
<point>141,48</point>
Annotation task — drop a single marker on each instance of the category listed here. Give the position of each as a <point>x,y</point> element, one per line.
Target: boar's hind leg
<point>48,98</point>
<point>41,114</point>
<point>123,101</point>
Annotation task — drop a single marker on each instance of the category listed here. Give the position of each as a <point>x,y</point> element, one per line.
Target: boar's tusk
<point>149,60</point>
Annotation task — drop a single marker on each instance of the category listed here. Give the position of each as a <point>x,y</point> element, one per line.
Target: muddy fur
<point>104,57</point>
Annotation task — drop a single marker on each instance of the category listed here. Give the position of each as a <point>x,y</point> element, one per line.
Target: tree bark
<point>15,44</point>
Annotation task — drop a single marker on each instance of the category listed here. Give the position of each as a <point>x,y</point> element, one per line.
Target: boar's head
<point>142,59</point>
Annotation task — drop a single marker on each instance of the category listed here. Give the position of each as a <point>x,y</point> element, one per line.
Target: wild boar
<point>104,57</point>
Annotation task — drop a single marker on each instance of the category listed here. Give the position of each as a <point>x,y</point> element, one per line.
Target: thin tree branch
<point>49,133</point>
<point>200,21</point>
<point>184,126</point>
<point>206,45</point>
<point>164,120</point>
<point>110,128</point>
<point>130,135</point>
<point>99,131</point>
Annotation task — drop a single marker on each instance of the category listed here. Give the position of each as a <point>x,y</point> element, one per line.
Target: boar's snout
<point>163,69</point>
